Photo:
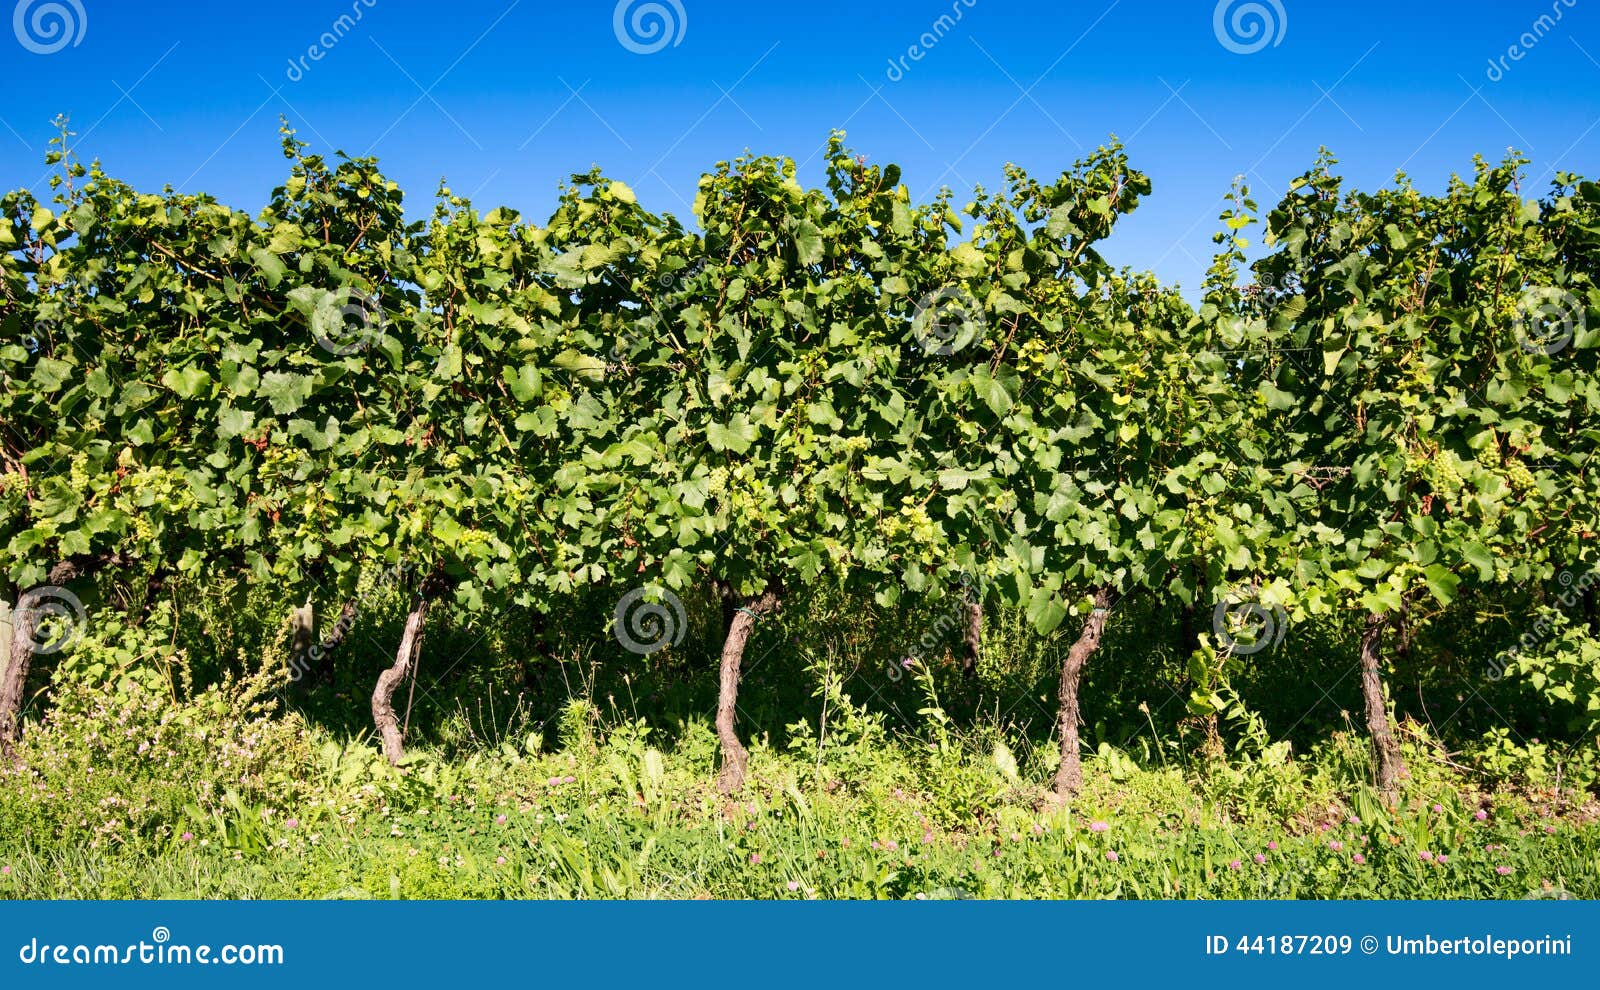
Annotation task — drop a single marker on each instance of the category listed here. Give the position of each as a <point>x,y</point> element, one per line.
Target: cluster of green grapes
<point>739,490</point>
<point>475,543</point>
<point>1443,471</point>
<point>913,522</point>
<point>1518,475</point>
<point>146,487</point>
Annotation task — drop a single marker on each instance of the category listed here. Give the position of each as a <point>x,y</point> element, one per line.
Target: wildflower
<point>1272,846</point>
<point>1550,830</point>
<point>569,779</point>
<point>1098,826</point>
<point>501,861</point>
<point>755,859</point>
<point>1111,854</point>
<point>1260,859</point>
<point>1354,820</point>
<point>5,871</point>
<point>927,838</point>
<point>1336,846</point>
<point>794,885</point>
<point>1425,856</point>
<point>1016,836</point>
<point>891,845</point>
<point>1438,809</point>
<point>1038,829</point>
<point>1443,858</point>
<point>1359,859</point>
<point>1504,871</point>
<point>499,819</point>
<point>1233,865</point>
<point>186,837</point>
<point>1481,815</point>
<point>292,823</point>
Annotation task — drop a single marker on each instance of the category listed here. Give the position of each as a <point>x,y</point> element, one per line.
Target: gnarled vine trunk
<point>1069,778</point>
<point>24,629</point>
<point>742,624</point>
<point>405,658</point>
<point>14,679</point>
<point>1387,764</point>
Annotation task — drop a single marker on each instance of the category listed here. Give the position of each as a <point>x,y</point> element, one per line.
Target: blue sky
<point>507,97</point>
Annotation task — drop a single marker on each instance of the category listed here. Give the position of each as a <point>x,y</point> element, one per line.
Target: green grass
<point>190,776</point>
<point>862,815</point>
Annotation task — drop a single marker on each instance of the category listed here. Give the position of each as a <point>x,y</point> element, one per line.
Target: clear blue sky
<point>506,98</point>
